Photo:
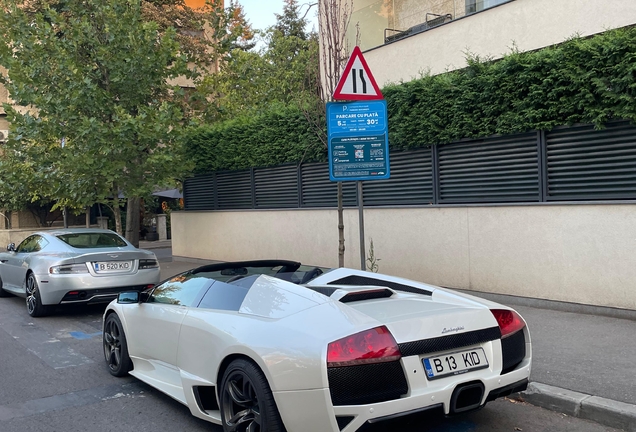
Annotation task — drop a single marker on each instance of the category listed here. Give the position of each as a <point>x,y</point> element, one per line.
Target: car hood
<point>409,316</point>
<point>411,310</point>
<point>412,317</point>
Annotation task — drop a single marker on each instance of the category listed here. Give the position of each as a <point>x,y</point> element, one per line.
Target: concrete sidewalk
<point>158,244</point>
<point>583,365</point>
<point>584,358</point>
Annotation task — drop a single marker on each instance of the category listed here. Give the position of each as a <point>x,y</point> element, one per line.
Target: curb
<point>159,244</point>
<point>607,412</point>
<point>561,306</point>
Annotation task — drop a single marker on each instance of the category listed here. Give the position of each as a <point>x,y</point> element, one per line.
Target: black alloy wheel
<point>115,347</point>
<point>34,305</point>
<point>247,403</point>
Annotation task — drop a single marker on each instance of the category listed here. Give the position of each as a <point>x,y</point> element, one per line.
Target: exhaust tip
<point>467,397</point>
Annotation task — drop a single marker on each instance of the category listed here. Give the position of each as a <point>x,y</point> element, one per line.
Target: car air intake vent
<point>514,350</point>
<point>326,291</point>
<point>343,421</point>
<point>366,295</point>
<point>367,383</point>
<point>366,281</point>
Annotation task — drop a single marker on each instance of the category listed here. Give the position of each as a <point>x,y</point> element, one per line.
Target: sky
<point>260,13</point>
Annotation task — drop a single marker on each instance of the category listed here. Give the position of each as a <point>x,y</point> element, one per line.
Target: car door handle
<point>3,261</point>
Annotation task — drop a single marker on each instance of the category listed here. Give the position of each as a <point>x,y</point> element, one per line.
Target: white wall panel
<point>574,253</point>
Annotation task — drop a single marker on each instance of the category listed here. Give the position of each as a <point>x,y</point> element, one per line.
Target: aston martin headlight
<point>69,269</point>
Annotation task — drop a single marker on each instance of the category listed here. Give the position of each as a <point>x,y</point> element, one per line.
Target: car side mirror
<point>11,247</point>
<point>128,297</point>
<point>144,296</point>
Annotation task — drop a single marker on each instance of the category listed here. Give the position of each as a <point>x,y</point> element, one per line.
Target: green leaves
<point>284,72</point>
<point>95,74</point>
<point>590,80</point>
<point>277,137</point>
<point>581,80</point>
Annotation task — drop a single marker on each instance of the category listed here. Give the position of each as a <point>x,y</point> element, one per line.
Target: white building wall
<point>525,24</point>
<point>574,253</point>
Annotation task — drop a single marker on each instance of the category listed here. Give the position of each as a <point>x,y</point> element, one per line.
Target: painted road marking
<point>50,350</point>
<point>83,336</point>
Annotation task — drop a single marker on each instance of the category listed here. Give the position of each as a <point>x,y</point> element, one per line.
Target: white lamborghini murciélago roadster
<point>268,346</point>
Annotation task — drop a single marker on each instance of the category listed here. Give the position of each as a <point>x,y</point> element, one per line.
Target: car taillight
<point>376,345</point>
<point>68,269</point>
<point>509,321</point>
<point>148,263</point>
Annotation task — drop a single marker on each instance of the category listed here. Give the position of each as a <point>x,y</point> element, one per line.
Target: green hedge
<point>590,80</point>
<point>275,138</point>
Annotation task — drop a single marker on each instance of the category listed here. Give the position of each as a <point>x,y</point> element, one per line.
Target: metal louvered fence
<point>583,163</point>
<point>576,163</point>
<point>490,170</point>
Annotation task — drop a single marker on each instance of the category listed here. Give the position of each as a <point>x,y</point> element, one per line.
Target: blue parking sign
<point>358,141</point>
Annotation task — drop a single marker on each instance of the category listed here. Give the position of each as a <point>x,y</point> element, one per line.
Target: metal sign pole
<point>358,132</point>
<point>62,142</point>
<point>363,258</point>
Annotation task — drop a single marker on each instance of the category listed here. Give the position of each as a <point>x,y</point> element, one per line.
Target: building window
<point>478,5</point>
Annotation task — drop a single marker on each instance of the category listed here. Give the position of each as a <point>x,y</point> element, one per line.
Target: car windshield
<point>92,240</point>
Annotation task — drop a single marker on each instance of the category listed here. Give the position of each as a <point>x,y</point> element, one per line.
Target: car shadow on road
<point>75,311</point>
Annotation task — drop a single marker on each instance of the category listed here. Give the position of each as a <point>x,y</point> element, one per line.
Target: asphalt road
<point>585,353</point>
<point>53,378</point>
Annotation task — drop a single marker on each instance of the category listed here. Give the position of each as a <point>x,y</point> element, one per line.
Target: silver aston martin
<point>74,266</point>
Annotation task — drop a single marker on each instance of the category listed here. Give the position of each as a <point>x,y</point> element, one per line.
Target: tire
<point>116,347</point>
<point>3,293</point>
<point>34,305</point>
<point>247,403</point>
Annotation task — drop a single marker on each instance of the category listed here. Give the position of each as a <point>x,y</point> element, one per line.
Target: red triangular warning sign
<point>357,82</point>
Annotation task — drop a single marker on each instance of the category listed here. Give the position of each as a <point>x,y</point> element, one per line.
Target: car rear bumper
<point>296,406</point>
<point>95,296</point>
<point>55,289</point>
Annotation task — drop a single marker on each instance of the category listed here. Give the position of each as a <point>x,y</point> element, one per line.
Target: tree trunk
<point>341,236</point>
<point>117,215</point>
<point>132,220</point>
<point>6,222</point>
<point>88,217</point>
<point>334,17</point>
